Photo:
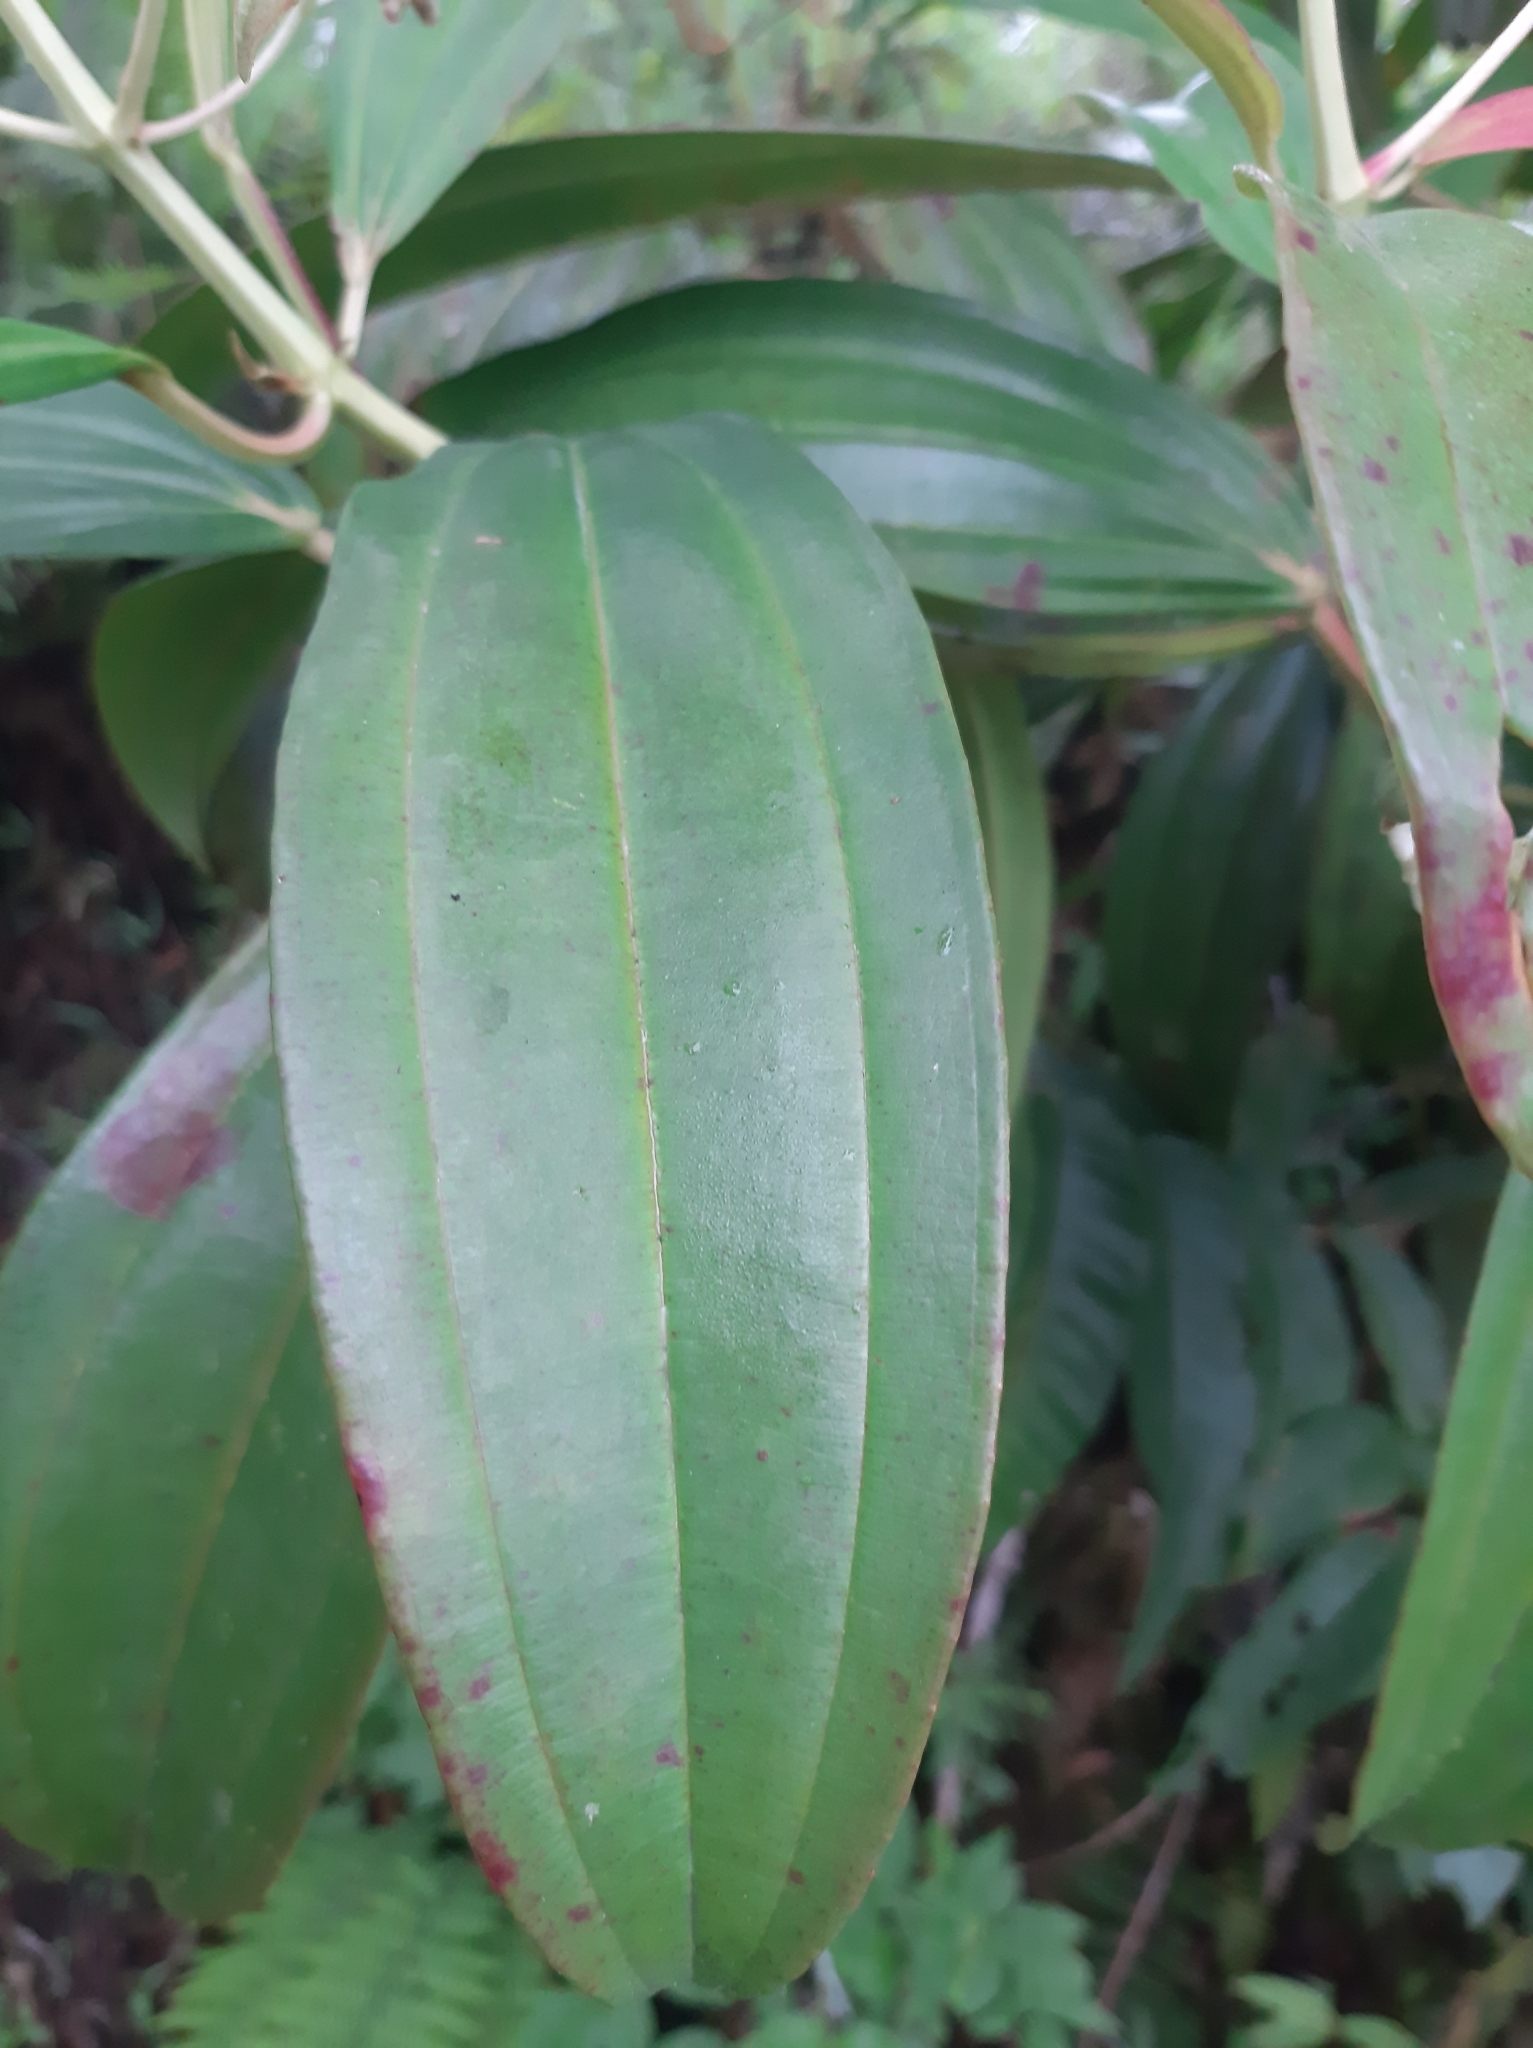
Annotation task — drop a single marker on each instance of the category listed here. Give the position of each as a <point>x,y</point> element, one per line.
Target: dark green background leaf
<point>190,1613</point>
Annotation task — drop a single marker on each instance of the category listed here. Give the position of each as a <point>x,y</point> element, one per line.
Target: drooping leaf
<point>636,994</point>
<point>1364,962</point>
<point>1079,1264</point>
<point>1405,1324</point>
<point>412,103</point>
<point>189,1614</point>
<point>533,197</point>
<point>1449,1737</point>
<point>1024,490</point>
<point>179,664</point>
<point>1191,1391</point>
<point>1408,352</point>
<point>1208,879</point>
<point>104,472</point>
<point>39,362</point>
<point>1019,854</point>
<point>1013,256</point>
<point>1318,1648</point>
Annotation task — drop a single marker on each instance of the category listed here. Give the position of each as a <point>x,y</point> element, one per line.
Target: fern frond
<point>371,1939</point>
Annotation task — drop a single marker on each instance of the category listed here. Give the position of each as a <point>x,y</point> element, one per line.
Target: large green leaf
<point>636,1000</point>
<point>1449,1753</point>
<point>104,473</point>
<point>1019,854</point>
<point>188,1611</point>
<point>39,362</point>
<point>1207,883</point>
<point>1364,962</point>
<point>179,665</point>
<point>1408,361</point>
<point>1192,1394</point>
<point>1023,489</point>
<point>411,105</point>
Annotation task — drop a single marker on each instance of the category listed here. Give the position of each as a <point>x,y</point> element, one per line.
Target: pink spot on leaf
<point>578,1914</point>
<point>1521,548</point>
<point>899,1685</point>
<point>479,1684</point>
<point>492,1859</point>
<point>153,1154</point>
<point>669,1756</point>
<point>1375,472</point>
<point>1305,240</point>
<point>1027,591</point>
<point>371,1495</point>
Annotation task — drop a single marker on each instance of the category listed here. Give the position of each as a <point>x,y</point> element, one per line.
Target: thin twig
<point>1152,1898</point>
<point>1123,1829</point>
<point>28,128</point>
<point>138,72</point>
<point>245,444</point>
<point>155,132</point>
<point>1394,157</point>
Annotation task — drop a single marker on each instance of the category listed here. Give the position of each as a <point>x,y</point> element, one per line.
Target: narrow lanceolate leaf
<point>1503,121</point>
<point>412,102</point>
<point>188,1611</point>
<point>1224,46</point>
<point>1207,885</point>
<point>637,1006</point>
<point>39,362</point>
<point>1408,358</point>
<point>105,473</point>
<point>1363,959</point>
<point>1405,1325</point>
<point>180,664</point>
<point>1019,855</point>
<point>1024,490</point>
<point>1080,1260</point>
<point>1192,1393</point>
<point>1451,1732</point>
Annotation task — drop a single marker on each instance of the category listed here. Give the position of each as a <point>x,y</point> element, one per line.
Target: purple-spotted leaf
<point>637,1011</point>
<point>1410,353</point>
<point>188,1611</point>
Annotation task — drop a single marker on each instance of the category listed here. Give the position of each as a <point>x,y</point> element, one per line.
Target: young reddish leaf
<point>1410,347</point>
<point>1505,121</point>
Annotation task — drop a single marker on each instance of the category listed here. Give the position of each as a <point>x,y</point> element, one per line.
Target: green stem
<point>138,72</point>
<point>288,340</point>
<point>1339,174</point>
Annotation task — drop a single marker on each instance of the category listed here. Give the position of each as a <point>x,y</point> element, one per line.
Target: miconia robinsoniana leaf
<point>637,1010</point>
<point>188,1611</point>
<point>1408,359</point>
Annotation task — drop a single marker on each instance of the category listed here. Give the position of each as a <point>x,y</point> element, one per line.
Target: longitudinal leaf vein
<point>609,713</point>
<point>459,1347</point>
